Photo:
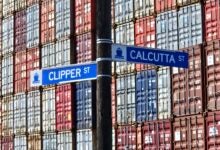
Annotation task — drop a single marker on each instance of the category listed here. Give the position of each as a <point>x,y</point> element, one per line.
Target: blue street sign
<point>64,74</point>
<point>154,56</point>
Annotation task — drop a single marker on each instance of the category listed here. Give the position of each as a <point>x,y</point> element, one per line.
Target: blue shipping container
<point>146,96</point>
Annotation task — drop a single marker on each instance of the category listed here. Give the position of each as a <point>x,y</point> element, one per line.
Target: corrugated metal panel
<point>7,116</point>
<point>113,139</point>
<point>47,21</point>
<point>186,2</point>
<point>63,52</point>
<point>213,75</point>
<point>48,109</point>
<point>32,2</point>
<point>139,138</point>
<point>19,4</point>
<point>7,143</point>
<point>7,34</point>
<point>62,18</point>
<point>84,105</point>
<point>164,5</point>
<point>7,74</point>
<point>34,112</point>
<point>34,142</point>
<point>84,139</point>
<point>63,107</point>
<point>167,31</point>
<point>20,142</point>
<point>212,20</point>
<point>187,85</point>
<point>164,97</point>
<point>143,8</point>
<point>33,26</point>
<point>146,96</point>
<point>64,141</point>
<point>20,113</point>
<point>190,26</point>
<point>20,34</point>
<point>113,98</point>
<point>189,133</point>
<point>125,92</point>
<point>48,55</point>
<point>1,112</point>
<point>1,8</point>
<point>20,71</point>
<point>8,7</point>
<point>50,141</point>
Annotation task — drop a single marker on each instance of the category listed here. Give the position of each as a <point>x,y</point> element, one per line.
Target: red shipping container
<point>63,107</point>
<point>126,137</point>
<point>47,21</point>
<point>139,138</point>
<point>113,102</point>
<point>84,15</point>
<point>20,30</point>
<point>212,20</point>
<point>32,2</point>
<point>164,5</point>
<point>157,135</point>
<point>213,75</point>
<point>7,143</point>
<point>188,85</point>
<point>20,72</point>
<point>189,133</point>
<point>32,64</point>
<point>212,130</point>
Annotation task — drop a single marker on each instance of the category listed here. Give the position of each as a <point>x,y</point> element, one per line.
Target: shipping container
<point>186,2</point>
<point>143,8</point>
<point>48,55</point>
<point>126,137</point>
<point>7,35</point>
<point>212,74</point>
<point>7,116</point>
<point>64,141</point>
<point>84,12</point>
<point>33,26</point>
<point>7,143</point>
<point>1,111</point>
<point>34,142</point>
<point>20,113</point>
<point>190,25</point>
<point>62,52</point>
<point>187,85</point>
<point>48,110</point>
<point>146,96</point>
<point>34,112</point>
<point>20,71</point>
<point>64,107</point>
<point>84,105</point>
<point>20,142</point>
<point>50,141</point>
<point>113,98</point>
<point>1,8</point>
<point>113,139</point>
<point>7,74</point>
<point>125,94</point>
<point>20,34</point>
<point>32,2</point>
<point>84,139</point>
<point>164,5</point>
<point>189,133</point>
<point>19,4</point>
<point>62,16</point>
<point>164,93</point>
<point>47,21</point>
<point>212,20</point>
<point>8,7</point>
<point>139,137</point>
<point>157,135</point>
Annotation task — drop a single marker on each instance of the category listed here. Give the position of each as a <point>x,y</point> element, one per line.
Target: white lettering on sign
<point>150,56</point>
<point>72,73</point>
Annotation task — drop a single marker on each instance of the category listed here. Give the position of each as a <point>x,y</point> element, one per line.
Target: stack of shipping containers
<point>153,107</point>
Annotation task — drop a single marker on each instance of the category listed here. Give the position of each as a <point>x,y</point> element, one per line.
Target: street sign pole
<point>103,103</point>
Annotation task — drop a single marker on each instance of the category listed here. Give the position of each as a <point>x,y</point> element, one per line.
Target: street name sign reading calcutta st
<point>153,56</point>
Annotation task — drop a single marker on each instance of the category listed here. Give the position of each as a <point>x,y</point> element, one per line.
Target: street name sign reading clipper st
<point>154,56</point>
<point>64,74</point>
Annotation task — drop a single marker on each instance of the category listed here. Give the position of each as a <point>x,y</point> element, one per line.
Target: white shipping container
<point>166,30</point>
<point>143,8</point>
<point>63,52</point>
<point>123,10</point>
<point>164,89</point>
<point>190,25</point>
<point>33,109</point>
<point>8,7</point>
<point>20,113</point>
<point>84,139</point>
<point>7,116</point>
<point>33,26</point>
<point>7,74</point>
<point>20,142</point>
<point>7,35</point>
<point>50,141</point>
<point>113,139</point>
<point>48,55</point>
<point>49,117</point>
<point>62,18</point>
<point>64,141</point>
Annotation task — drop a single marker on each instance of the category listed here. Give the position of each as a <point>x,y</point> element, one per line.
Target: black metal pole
<point>103,103</point>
